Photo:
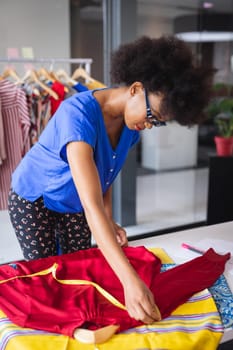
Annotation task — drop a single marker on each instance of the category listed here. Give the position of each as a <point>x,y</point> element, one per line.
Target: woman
<point>62,187</point>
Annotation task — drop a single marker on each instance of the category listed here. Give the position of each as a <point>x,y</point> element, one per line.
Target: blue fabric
<point>80,87</point>
<point>44,171</point>
<point>224,300</point>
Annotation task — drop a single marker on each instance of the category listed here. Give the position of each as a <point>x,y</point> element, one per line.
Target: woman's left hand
<point>120,235</point>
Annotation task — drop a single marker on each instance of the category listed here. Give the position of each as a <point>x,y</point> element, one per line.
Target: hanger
<point>81,73</point>
<point>32,76</point>
<point>44,73</point>
<point>50,75</point>
<point>56,78</point>
<point>61,74</point>
<point>10,72</point>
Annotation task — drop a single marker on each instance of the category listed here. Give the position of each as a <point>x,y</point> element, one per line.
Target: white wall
<point>154,26</point>
<point>43,25</point>
<point>171,147</point>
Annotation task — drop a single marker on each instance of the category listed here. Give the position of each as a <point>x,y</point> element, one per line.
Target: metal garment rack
<point>86,62</point>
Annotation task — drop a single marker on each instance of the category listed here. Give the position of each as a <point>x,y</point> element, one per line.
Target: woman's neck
<point>112,103</point>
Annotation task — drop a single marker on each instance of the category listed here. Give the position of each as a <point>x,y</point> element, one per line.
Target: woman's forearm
<point>106,240</point>
<point>108,202</point>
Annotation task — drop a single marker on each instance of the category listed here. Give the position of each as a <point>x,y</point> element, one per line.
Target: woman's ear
<point>136,87</point>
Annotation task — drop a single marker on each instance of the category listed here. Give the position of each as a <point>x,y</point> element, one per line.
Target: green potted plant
<point>221,110</point>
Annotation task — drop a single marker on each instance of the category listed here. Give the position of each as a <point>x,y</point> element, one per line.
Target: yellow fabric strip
<point>162,255</point>
<point>102,291</point>
<point>53,269</point>
<point>157,251</point>
<point>40,273</point>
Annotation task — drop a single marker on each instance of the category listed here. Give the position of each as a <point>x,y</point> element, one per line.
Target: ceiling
<point>159,8</point>
<point>174,8</point>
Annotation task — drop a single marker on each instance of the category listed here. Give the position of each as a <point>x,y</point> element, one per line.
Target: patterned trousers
<point>42,232</point>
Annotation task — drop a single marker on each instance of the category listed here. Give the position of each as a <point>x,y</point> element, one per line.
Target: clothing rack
<point>86,62</point>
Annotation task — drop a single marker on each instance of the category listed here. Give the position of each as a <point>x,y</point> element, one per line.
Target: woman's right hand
<point>140,302</point>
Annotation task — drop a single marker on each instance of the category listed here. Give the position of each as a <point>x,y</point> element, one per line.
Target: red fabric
<point>43,303</point>
<point>60,91</point>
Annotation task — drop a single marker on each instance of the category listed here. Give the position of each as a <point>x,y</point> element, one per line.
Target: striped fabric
<point>195,325</point>
<point>2,138</point>
<point>16,125</point>
<point>8,331</point>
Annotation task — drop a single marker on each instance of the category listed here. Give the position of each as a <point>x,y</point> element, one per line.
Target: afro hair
<point>166,65</point>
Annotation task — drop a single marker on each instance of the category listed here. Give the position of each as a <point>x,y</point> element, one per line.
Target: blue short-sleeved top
<point>44,171</point>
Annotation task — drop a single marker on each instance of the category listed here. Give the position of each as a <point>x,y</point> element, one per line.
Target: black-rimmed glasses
<point>152,119</point>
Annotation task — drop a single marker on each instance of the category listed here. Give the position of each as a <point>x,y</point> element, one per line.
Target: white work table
<point>171,243</point>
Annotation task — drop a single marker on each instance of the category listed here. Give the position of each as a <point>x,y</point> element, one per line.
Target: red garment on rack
<point>59,88</point>
<point>41,302</point>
